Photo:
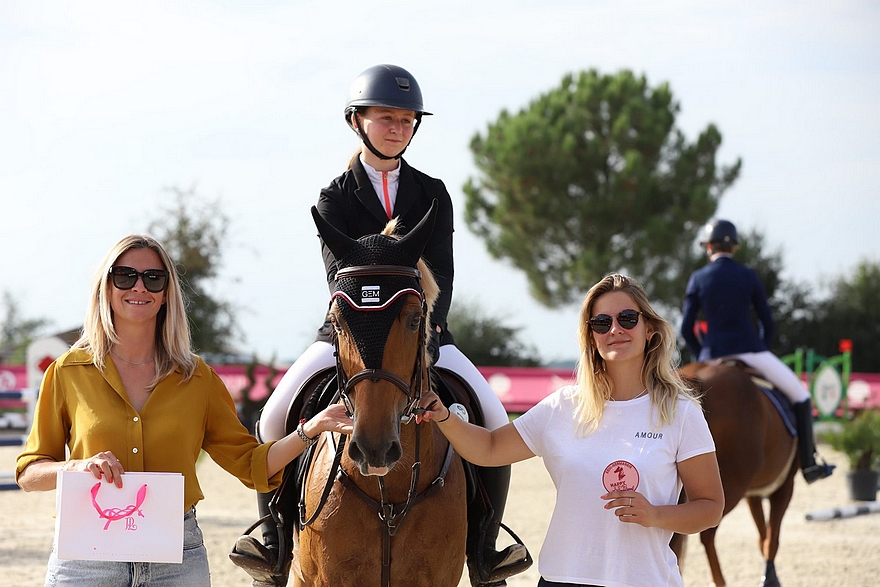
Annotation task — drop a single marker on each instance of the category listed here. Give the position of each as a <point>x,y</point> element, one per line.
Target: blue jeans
<point>192,572</point>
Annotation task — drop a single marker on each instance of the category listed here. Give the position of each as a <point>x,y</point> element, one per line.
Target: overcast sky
<point>104,105</point>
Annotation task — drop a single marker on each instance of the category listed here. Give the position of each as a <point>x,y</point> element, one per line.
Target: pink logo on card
<point>113,514</point>
<point>620,476</point>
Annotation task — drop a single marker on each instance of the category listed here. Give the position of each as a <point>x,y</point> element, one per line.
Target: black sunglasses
<point>155,280</point>
<point>627,319</point>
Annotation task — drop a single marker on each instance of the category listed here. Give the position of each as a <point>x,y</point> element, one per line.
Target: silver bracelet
<point>303,437</point>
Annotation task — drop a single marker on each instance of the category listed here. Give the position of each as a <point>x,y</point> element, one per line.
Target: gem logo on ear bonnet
<point>370,294</point>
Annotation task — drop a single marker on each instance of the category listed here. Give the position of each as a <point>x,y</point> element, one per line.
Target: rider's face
<point>389,129</point>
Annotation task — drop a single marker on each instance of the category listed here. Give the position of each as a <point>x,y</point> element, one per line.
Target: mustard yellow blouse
<point>88,412</point>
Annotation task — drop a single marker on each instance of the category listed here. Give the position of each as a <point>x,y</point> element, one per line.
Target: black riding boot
<point>260,559</point>
<point>488,567</point>
<point>812,471</point>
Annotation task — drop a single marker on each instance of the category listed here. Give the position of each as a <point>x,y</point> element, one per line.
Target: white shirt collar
<point>376,175</point>
<point>392,180</point>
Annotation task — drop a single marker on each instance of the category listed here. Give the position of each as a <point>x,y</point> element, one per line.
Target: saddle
<point>287,508</point>
<point>776,397</point>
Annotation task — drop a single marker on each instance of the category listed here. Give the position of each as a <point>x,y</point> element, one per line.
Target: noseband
<point>413,389</point>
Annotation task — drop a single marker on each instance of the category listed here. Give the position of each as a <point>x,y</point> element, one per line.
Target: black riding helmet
<point>388,86</point>
<point>720,231</point>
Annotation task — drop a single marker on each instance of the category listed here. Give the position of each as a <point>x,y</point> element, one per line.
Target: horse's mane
<point>429,284</point>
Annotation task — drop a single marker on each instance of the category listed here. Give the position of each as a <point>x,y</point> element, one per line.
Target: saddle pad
<point>779,400</point>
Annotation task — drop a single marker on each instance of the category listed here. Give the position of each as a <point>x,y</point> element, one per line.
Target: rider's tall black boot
<point>487,566</point>
<point>260,559</point>
<point>811,470</point>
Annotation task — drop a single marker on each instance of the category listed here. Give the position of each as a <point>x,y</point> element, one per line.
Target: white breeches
<point>319,356</point>
<point>778,373</point>
<point>493,411</point>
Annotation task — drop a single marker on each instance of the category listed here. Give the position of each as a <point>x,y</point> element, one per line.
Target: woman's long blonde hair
<point>172,343</point>
<point>659,372</point>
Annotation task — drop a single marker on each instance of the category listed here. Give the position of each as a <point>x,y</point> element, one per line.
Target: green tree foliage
<point>16,331</point>
<point>851,311</point>
<point>193,231</point>
<point>486,341</point>
<point>592,177</point>
<point>794,311</point>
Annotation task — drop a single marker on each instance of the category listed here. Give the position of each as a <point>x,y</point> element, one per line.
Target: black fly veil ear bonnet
<point>374,275</point>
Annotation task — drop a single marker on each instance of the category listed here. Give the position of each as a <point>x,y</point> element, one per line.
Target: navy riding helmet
<point>388,86</point>
<point>719,231</point>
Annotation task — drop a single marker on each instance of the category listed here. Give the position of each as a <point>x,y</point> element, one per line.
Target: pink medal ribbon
<point>113,514</point>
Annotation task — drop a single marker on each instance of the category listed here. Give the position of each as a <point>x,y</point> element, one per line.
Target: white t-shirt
<point>586,543</point>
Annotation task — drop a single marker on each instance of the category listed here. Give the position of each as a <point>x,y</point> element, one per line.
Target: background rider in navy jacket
<point>727,291</point>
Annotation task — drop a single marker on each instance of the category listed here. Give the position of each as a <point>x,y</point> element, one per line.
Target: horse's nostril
<point>384,455</point>
<point>354,451</point>
<point>394,453</point>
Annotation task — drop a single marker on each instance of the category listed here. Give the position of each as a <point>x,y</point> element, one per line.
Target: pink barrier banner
<point>518,388</point>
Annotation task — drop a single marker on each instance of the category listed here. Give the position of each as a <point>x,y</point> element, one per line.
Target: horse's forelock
<point>391,229</point>
<point>381,249</point>
<point>429,284</point>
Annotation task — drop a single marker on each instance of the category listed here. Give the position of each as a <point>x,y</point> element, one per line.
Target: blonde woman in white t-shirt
<point>620,446</point>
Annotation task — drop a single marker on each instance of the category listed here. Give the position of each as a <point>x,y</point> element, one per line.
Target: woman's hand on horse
<point>430,409</point>
<point>103,465</point>
<point>330,419</point>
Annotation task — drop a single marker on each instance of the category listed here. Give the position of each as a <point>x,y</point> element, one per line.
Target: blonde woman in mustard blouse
<point>131,396</point>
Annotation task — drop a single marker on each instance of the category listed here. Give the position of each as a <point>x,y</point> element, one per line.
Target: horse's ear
<point>339,244</point>
<point>416,239</point>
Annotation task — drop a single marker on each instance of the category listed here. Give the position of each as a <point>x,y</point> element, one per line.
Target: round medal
<point>620,476</point>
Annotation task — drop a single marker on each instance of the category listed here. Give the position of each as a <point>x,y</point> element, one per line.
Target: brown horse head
<point>379,311</point>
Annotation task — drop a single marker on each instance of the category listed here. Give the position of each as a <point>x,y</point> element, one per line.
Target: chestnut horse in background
<point>756,457</point>
<point>392,508</point>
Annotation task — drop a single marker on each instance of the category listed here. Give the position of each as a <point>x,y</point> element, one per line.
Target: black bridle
<point>413,389</point>
<point>391,515</point>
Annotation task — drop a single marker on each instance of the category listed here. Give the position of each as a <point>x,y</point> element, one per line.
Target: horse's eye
<point>335,322</point>
<point>416,321</point>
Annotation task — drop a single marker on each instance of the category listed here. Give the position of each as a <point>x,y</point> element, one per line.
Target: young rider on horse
<point>726,291</point>
<point>385,110</point>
